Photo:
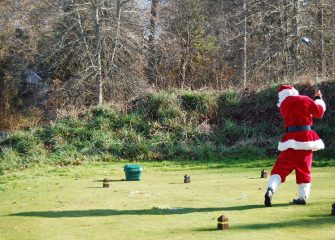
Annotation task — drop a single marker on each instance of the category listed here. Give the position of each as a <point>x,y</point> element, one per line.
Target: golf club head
<point>305,40</point>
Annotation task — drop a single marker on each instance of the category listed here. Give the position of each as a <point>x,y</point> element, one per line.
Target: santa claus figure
<point>298,143</point>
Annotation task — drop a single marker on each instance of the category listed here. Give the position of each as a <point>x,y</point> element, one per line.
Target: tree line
<point>90,52</point>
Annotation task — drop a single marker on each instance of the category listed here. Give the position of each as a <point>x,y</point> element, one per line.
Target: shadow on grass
<point>310,222</point>
<point>153,211</point>
<point>111,212</point>
<point>248,207</point>
<point>112,180</point>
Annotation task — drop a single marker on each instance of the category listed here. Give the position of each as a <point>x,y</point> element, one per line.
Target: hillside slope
<point>174,125</point>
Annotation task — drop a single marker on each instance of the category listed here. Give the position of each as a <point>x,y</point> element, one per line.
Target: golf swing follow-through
<point>308,43</point>
<point>298,143</point>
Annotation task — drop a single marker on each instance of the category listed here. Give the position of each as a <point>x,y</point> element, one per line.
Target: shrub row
<point>207,126</point>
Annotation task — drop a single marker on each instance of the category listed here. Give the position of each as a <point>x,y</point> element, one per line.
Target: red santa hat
<point>285,91</point>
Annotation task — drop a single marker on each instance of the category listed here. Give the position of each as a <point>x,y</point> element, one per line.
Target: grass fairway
<point>67,203</point>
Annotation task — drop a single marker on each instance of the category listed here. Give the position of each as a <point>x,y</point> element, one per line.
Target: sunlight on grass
<point>70,203</point>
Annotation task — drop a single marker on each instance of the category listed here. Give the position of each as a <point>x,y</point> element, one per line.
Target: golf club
<point>307,42</point>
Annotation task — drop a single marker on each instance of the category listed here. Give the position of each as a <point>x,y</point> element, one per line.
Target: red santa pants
<point>298,160</point>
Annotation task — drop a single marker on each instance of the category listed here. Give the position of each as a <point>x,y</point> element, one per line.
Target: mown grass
<point>70,203</point>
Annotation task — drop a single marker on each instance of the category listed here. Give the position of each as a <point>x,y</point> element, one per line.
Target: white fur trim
<point>303,190</point>
<point>321,103</point>
<point>282,95</point>
<point>274,182</point>
<point>311,145</point>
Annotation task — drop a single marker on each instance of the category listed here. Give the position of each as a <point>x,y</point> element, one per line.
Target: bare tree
<point>101,42</point>
<point>24,35</point>
<point>244,46</point>
<point>294,34</point>
<point>98,47</point>
<point>320,20</point>
<point>151,69</point>
<point>93,51</point>
<point>189,42</point>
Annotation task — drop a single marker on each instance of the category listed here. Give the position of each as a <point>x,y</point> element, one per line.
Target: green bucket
<point>133,172</point>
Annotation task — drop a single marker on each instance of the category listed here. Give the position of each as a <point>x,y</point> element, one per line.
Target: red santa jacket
<point>298,110</point>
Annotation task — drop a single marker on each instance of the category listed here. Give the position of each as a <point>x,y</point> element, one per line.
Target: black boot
<point>268,197</point>
<point>299,201</point>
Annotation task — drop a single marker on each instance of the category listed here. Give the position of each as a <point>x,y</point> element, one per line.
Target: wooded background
<point>63,54</point>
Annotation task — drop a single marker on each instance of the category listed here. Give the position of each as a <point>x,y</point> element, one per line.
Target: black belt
<point>299,128</point>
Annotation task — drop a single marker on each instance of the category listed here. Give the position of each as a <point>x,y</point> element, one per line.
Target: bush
<point>21,150</point>
<point>68,132</point>
<point>231,132</point>
<point>25,143</point>
<point>10,159</point>
<point>162,126</point>
<point>203,103</point>
<point>163,107</point>
<point>227,102</point>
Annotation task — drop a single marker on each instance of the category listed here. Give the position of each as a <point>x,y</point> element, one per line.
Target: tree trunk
<point>82,32</point>
<point>5,103</point>
<point>333,62</point>
<point>322,42</point>
<point>294,44</point>
<point>151,69</point>
<point>185,56</point>
<point>98,50</point>
<point>117,30</point>
<point>284,26</point>
<point>183,66</point>
<point>243,50</point>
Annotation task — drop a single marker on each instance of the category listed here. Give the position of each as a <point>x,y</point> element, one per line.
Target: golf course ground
<point>70,203</point>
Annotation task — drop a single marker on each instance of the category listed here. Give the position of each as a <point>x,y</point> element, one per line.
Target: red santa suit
<point>299,141</point>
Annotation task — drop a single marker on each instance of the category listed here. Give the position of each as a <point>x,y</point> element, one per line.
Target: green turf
<point>68,203</point>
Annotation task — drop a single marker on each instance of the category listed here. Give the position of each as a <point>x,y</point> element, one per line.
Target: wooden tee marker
<point>187,179</point>
<point>222,222</point>
<point>105,183</point>
<point>264,174</point>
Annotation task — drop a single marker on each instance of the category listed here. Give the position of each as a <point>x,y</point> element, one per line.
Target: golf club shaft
<point>316,83</point>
